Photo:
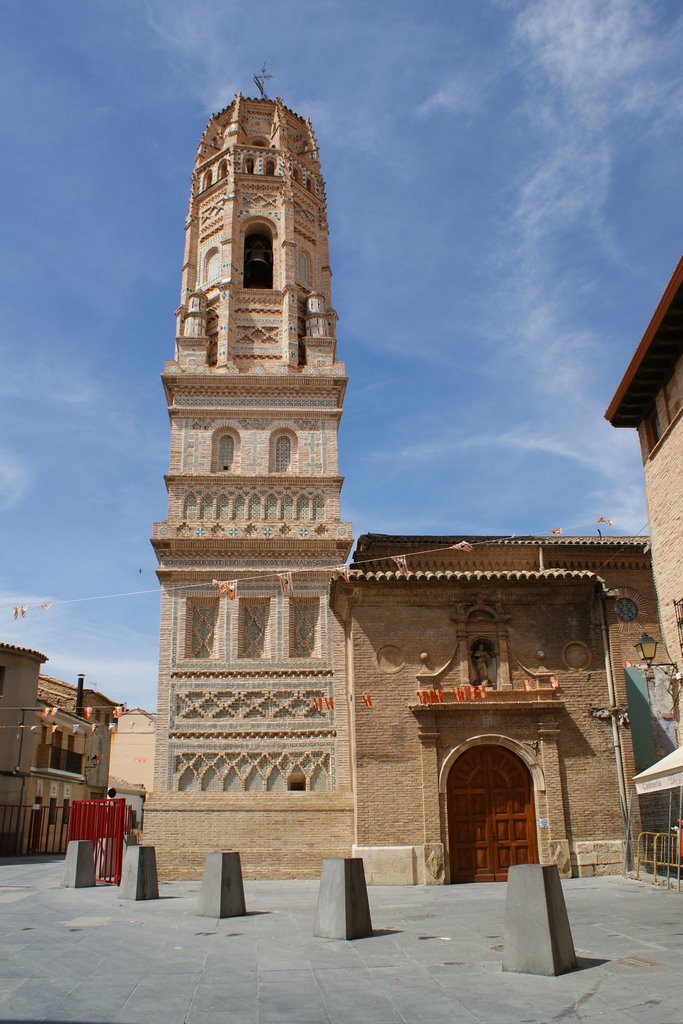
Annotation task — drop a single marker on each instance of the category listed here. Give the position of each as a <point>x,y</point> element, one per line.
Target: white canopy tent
<point>665,774</point>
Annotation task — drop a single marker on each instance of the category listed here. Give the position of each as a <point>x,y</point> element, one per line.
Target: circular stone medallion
<point>390,659</point>
<point>576,655</point>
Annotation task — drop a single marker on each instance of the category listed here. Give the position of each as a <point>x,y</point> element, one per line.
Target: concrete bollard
<point>139,876</point>
<point>79,865</point>
<point>538,939</point>
<point>222,892</point>
<point>343,909</point>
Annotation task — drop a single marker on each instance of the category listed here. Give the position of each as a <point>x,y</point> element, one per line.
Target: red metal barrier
<point>27,830</point>
<point>104,823</point>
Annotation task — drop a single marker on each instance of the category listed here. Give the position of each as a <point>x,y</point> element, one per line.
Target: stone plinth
<point>139,878</point>
<point>538,939</point>
<point>222,892</point>
<point>79,865</point>
<point>343,910</point>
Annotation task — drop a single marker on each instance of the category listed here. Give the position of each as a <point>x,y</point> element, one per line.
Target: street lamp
<point>647,649</point>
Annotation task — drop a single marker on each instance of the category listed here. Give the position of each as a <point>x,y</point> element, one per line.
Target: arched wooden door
<point>491,819</point>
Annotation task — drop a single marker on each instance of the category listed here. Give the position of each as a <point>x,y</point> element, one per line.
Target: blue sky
<point>503,183</point>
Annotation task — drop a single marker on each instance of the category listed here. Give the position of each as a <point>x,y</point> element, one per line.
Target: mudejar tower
<point>253,745</point>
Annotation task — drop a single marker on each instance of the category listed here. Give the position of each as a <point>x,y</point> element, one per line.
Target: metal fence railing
<point>30,829</point>
<point>653,837</point>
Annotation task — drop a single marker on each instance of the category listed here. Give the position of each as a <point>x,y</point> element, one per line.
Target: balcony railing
<point>66,760</point>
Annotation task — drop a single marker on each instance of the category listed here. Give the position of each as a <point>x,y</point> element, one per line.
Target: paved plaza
<point>86,955</point>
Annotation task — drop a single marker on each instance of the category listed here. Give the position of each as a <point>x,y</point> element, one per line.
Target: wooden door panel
<point>491,821</point>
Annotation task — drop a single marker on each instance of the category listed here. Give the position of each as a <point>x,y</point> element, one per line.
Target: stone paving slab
<point>85,955</point>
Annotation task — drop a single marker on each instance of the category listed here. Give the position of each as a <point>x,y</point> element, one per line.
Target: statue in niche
<point>484,662</point>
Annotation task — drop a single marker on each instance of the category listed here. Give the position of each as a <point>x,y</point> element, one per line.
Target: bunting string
<point>285,576</point>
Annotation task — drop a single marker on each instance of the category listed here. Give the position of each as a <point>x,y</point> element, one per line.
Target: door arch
<point>491,818</point>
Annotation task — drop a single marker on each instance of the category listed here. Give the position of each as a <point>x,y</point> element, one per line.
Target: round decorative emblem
<point>576,655</point>
<point>627,610</point>
<point>163,531</point>
<point>390,659</point>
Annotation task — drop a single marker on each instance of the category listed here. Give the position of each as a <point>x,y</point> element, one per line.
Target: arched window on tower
<point>295,174</point>
<point>211,266</point>
<point>303,268</point>
<point>226,453</point>
<point>207,179</point>
<point>222,169</point>
<point>283,454</point>
<point>270,168</point>
<point>249,166</point>
<point>258,260</point>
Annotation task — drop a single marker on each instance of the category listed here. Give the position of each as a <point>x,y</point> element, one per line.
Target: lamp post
<point>647,652</point>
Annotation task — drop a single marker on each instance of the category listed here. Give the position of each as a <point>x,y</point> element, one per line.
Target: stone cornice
<point>229,479</point>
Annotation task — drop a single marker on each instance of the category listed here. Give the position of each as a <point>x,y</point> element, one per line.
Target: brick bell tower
<point>255,397</point>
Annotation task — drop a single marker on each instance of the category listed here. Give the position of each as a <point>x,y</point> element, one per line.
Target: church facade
<point>443,715</point>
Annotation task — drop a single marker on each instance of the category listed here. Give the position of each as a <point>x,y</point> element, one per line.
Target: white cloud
<point>15,477</point>
<point>601,56</point>
<point>458,94</point>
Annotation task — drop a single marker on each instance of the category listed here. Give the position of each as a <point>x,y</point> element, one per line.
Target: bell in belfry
<point>258,262</point>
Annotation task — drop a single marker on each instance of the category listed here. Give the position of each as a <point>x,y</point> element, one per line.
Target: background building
<point>650,399</point>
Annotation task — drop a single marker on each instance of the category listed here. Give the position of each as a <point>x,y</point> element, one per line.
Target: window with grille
<point>283,454</point>
<point>303,628</point>
<point>254,507</point>
<point>223,507</point>
<point>238,507</point>
<point>318,507</point>
<point>205,508</point>
<point>254,628</point>
<point>226,453</point>
<point>271,507</point>
<point>202,620</point>
<point>303,507</point>
<point>190,509</point>
<point>288,508</point>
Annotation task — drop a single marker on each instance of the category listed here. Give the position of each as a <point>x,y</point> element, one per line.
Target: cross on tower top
<point>260,79</point>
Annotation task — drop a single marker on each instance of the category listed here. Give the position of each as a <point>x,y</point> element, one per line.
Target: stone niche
<point>402,865</point>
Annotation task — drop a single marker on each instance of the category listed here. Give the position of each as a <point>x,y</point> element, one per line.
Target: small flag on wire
<point>53,729</point>
<point>607,522</point>
<point>343,571</point>
<point>462,546</point>
<point>329,703</point>
<point>367,700</point>
<point>87,712</point>
<point>33,728</point>
<point>21,609</point>
<point>556,533</point>
<point>75,728</point>
<point>555,682</point>
<point>286,584</point>
<point>401,563</point>
<point>318,704</point>
<point>53,711</point>
<point>228,587</point>
<point>46,605</point>
<point>46,712</point>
